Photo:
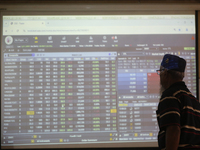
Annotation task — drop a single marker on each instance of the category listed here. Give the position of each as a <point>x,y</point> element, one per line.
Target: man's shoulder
<point>176,89</point>
<point>180,93</point>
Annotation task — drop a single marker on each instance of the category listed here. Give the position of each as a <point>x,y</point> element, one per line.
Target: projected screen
<point>87,79</point>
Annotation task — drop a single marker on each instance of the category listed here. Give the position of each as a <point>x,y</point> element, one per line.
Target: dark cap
<point>173,62</point>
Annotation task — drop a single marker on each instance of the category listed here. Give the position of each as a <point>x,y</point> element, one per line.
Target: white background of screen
<point>132,144</point>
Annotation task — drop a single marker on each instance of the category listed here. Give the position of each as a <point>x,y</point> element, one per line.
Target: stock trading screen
<point>68,89</point>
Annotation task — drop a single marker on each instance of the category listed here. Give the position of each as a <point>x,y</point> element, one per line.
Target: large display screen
<point>87,79</point>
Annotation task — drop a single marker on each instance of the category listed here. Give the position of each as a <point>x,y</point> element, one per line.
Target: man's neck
<point>172,82</point>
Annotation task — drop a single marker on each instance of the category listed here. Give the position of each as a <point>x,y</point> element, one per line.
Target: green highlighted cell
<point>95,68</point>
<point>95,79</point>
<point>97,118</point>
<point>95,82</point>
<point>95,65</point>
<point>96,100</point>
<point>61,97</point>
<point>95,90</point>
<point>61,90</point>
<point>96,93</point>
<point>95,62</point>
<point>69,129</point>
<point>95,107</point>
<point>95,76</point>
<point>96,129</point>
<point>95,86</point>
<point>189,48</point>
<point>96,121</point>
<point>96,125</point>
<point>95,72</point>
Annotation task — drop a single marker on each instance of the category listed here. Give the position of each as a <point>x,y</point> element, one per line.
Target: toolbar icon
<point>36,39</point>
<point>114,37</point>
<point>49,38</point>
<point>64,38</point>
<point>9,40</point>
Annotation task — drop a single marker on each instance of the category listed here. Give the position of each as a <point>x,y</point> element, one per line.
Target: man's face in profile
<point>163,79</point>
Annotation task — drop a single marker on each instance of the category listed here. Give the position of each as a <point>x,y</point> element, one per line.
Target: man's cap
<point>173,62</point>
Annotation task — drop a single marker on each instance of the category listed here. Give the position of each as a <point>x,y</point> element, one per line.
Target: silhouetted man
<point>178,111</point>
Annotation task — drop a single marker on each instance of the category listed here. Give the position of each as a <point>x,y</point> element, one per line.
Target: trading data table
<point>64,93</point>
<point>72,96</point>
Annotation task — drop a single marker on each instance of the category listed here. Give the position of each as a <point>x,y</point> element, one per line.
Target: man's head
<point>173,62</point>
<point>171,70</point>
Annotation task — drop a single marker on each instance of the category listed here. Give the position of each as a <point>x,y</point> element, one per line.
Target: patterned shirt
<point>177,106</point>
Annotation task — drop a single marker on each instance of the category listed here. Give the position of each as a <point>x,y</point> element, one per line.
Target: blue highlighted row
<point>126,75</point>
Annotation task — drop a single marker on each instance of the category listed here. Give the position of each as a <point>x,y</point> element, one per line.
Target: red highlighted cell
<point>153,82</point>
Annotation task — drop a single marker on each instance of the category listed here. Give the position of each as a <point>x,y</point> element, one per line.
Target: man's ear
<point>166,74</point>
